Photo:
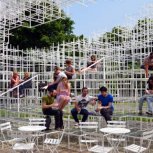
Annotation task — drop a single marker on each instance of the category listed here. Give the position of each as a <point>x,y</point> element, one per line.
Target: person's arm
<point>92,100</point>
<point>99,106</point>
<point>44,106</point>
<point>146,69</point>
<point>14,80</point>
<point>69,89</point>
<point>77,106</point>
<point>109,106</point>
<point>58,89</point>
<point>70,73</point>
<point>149,91</point>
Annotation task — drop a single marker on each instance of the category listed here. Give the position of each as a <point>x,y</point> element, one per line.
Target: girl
<point>63,93</point>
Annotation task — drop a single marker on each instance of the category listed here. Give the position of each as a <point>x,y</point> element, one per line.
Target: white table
<point>116,131</point>
<point>110,130</point>
<point>30,128</point>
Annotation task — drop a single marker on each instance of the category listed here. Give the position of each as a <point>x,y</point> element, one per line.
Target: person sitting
<point>81,105</point>
<point>59,75</point>
<point>63,93</point>
<point>105,104</point>
<point>49,108</point>
<point>15,80</point>
<point>148,96</point>
<point>148,64</point>
<point>29,83</point>
<point>69,70</point>
<point>89,63</point>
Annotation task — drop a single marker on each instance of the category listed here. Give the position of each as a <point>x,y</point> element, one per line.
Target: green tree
<point>43,35</point>
<point>117,35</point>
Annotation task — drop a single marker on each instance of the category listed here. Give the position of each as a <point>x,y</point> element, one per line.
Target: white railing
<point>87,68</point>
<point>17,87</point>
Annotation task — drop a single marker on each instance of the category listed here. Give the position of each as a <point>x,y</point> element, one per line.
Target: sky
<point>103,15</point>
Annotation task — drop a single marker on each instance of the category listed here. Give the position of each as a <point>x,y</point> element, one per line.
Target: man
<point>148,64</point>
<point>49,109</point>
<point>59,75</point>
<point>105,104</point>
<point>147,97</point>
<point>81,104</point>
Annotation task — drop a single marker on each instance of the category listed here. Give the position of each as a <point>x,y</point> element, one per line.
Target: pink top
<point>63,90</point>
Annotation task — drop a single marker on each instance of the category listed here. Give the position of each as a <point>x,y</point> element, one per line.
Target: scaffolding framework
<point>122,52</point>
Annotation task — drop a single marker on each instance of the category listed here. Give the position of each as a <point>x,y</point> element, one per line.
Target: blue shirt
<point>106,100</point>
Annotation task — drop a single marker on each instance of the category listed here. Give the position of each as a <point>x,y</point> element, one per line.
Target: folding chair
<point>27,146</point>
<point>142,146</point>
<point>37,121</point>
<point>86,128</point>
<point>92,143</point>
<point>116,124</point>
<point>8,136</point>
<point>53,140</point>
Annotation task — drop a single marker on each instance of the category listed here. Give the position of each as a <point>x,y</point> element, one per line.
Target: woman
<point>69,70</point>
<point>15,80</point>
<point>63,93</point>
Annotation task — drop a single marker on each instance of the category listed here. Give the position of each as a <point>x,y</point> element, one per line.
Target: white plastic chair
<point>116,124</point>
<point>24,147</point>
<point>87,128</point>
<point>53,140</point>
<point>8,136</point>
<point>27,146</point>
<point>37,121</point>
<point>141,147</point>
<point>92,144</point>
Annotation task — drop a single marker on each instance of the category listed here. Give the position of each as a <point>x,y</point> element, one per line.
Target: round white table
<point>115,131</point>
<point>32,128</point>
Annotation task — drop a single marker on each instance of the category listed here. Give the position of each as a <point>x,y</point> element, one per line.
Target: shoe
<point>21,96</point>
<point>62,127</point>
<point>149,113</point>
<point>47,129</point>
<point>57,129</point>
<point>140,113</point>
<point>76,125</point>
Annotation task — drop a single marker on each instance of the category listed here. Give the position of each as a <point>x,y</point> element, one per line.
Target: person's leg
<point>106,113</point>
<point>85,114</point>
<point>63,101</point>
<point>149,102</point>
<point>21,89</point>
<point>141,101</point>
<point>48,118</point>
<point>61,119</point>
<point>56,114</point>
<point>74,113</point>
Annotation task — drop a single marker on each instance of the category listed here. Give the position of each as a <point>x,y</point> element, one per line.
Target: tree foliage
<point>117,35</point>
<point>44,35</point>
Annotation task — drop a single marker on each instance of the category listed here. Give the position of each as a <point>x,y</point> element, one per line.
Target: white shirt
<point>60,76</point>
<point>83,101</point>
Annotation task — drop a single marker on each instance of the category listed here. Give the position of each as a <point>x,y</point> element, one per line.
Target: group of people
<point>15,81</point>
<point>59,95</point>
<point>51,106</point>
